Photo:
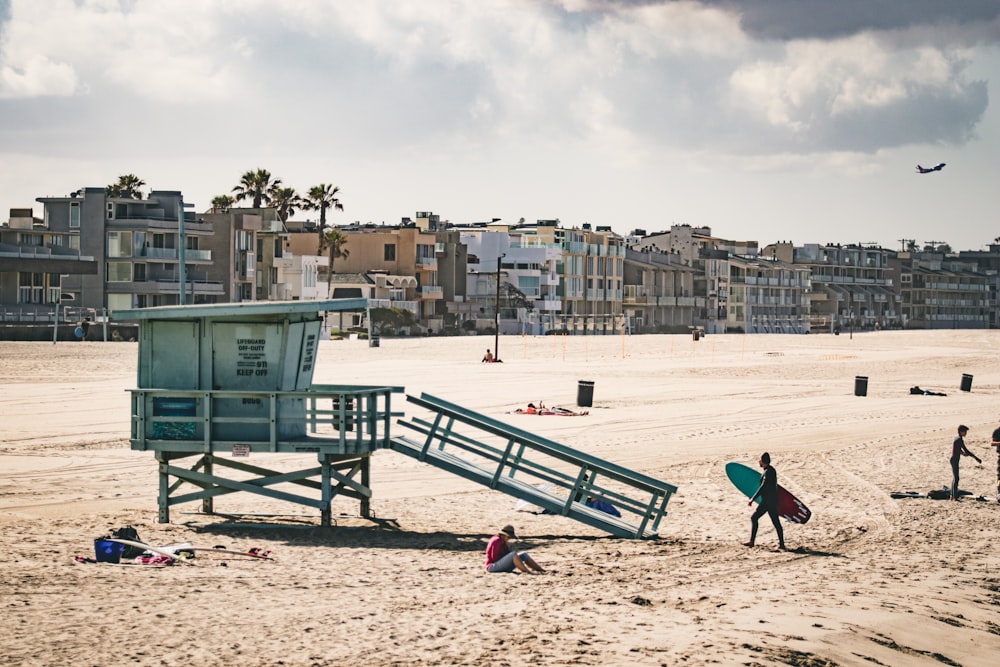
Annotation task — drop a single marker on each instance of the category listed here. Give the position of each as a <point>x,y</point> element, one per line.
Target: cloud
<point>625,83</point>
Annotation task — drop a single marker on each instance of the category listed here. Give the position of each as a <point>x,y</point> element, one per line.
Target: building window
<point>30,287</point>
<point>119,272</point>
<point>119,244</point>
<point>119,301</point>
<point>389,252</point>
<point>74,215</point>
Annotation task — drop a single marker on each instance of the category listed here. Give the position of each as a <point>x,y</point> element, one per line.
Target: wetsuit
<point>957,449</point>
<point>996,439</point>
<point>768,493</point>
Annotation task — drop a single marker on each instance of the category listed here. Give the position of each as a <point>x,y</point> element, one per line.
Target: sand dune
<point>870,579</point>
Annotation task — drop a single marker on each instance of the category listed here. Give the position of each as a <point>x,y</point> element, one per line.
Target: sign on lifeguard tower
<point>224,381</point>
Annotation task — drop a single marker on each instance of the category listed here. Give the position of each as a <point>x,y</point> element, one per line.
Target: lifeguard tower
<point>217,383</point>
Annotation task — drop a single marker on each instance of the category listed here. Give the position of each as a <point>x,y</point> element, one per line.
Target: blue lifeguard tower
<point>219,383</point>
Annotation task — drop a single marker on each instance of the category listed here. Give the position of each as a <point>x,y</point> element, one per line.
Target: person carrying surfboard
<point>768,494</point>
<point>958,450</point>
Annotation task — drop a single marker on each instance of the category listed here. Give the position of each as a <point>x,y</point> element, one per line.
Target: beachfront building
<point>765,295</point>
<point>39,259</point>
<point>988,264</point>
<point>659,292</point>
<point>851,285</point>
<point>528,278</point>
<point>244,246</point>
<point>709,256</point>
<point>405,258</point>
<point>137,244</point>
<point>591,277</point>
<point>940,290</point>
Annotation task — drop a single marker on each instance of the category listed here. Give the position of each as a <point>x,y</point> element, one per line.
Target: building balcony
<point>430,292</point>
<point>166,286</point>
<point>411,306</point>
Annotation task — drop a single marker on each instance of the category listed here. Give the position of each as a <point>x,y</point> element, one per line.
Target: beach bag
<point>128,533</point>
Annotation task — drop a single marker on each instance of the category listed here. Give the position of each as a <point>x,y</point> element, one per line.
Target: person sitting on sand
<point>500,557</point>
<point>488,357</point>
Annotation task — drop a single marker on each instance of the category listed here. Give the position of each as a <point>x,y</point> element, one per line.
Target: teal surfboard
<point>747,480</point>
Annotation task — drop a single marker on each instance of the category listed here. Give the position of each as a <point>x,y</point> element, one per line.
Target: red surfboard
<point>747,480</point>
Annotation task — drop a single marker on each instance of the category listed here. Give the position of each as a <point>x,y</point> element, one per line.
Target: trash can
<point>373,341</point>
<point>585,394</point>
<point>860,385</point>
<point>966,382</point>
<point>694,335</point>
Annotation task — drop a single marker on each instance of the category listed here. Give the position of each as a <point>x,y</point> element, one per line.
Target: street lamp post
<point>496,314</point>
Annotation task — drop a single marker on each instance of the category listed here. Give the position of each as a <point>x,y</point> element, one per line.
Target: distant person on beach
<point>768,494</point>
<point>500,557</point>
<point>996,443</point>
<point>958,450</point>
<point>488,357</point>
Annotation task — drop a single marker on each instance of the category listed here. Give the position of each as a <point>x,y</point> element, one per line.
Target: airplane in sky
<point>927,170</point>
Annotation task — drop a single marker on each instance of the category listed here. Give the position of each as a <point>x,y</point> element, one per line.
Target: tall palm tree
<point>256,185</point>
<point>334,241</point>
<point>127,186</point>
<point>321,197</point>
<point>285,200</point>
<point>222,203</point>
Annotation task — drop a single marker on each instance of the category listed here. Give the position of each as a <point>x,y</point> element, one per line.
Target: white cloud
<point>37,77</point>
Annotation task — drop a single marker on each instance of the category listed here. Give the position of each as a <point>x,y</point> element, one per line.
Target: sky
<point>772,120</point>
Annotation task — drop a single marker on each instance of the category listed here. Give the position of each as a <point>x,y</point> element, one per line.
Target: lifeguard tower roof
<point>243,309</point>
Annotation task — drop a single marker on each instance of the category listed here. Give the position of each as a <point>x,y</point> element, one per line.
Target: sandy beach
<point>869,580</point>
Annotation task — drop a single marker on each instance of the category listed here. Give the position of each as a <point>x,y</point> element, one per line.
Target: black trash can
<point>373,341</point>
<point>966,382</point>
<point>585,394</point>
<point>860,385</point>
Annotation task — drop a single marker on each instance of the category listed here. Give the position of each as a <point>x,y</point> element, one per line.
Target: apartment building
<point>406,257</point>
<point>988,263</point>
<point>39,257</point>
<point>765,295</point>
<point>851,285</point>
<point>138,245</point>
<point>591,276</point>
<point>942,291</point>
<point>659,292</point>
<point>528,278</point>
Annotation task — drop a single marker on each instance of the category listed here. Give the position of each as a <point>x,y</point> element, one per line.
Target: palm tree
<point>256,185</point>
<point>321,197</point>
<point>334,241</point>
<point>285,200</point>
<point>127,186</point>
<point>222,204</point>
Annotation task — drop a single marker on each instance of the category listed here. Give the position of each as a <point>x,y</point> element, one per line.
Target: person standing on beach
<point>996,443</point>
<point>958,450</point>
<point>768,494</point>
<point>500,557</point>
